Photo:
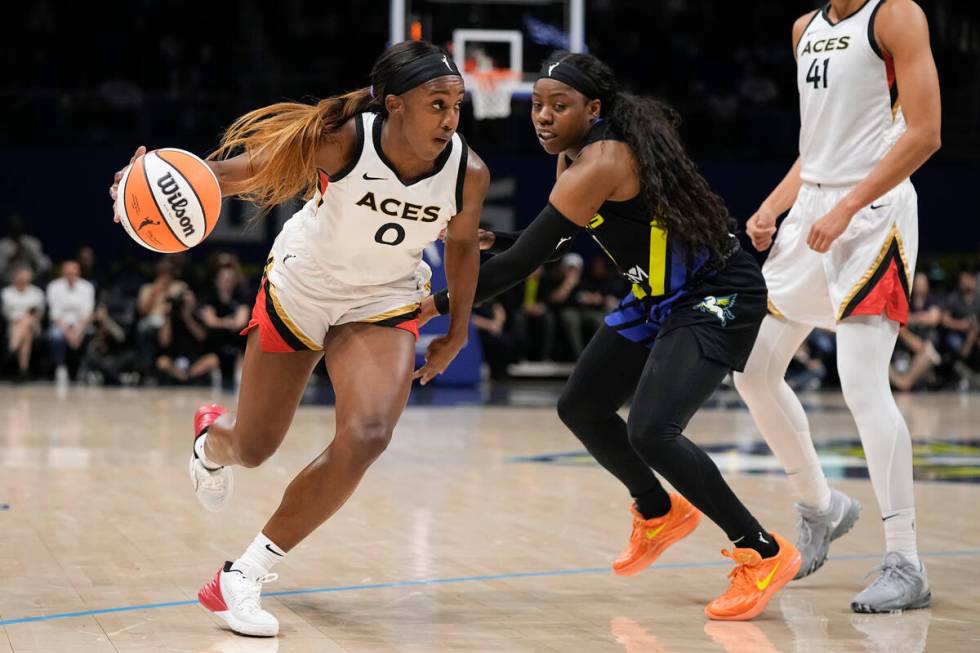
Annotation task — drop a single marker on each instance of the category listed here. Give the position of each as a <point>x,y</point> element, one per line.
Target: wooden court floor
<point>480,529</point>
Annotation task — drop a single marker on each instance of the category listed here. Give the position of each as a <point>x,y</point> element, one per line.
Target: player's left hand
<point>438,356</point>
<point>827,229</point>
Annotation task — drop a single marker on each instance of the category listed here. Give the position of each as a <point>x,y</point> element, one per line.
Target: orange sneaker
<point>651,537</point>
<point>754,581</point>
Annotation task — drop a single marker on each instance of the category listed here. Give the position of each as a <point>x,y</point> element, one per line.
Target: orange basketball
<point>168,200</point>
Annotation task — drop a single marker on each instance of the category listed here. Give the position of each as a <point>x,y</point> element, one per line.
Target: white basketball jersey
<point>366,226</point>
<point>849,109</point>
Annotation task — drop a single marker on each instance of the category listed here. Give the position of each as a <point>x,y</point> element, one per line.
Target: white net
<point>492,94</point>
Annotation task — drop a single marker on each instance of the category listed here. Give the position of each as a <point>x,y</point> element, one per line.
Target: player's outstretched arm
<point>462,247</point>
<point>462,267</point>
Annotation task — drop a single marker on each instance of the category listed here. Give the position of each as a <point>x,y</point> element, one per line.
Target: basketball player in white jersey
<point>385,171</point>
<point>870,113</point>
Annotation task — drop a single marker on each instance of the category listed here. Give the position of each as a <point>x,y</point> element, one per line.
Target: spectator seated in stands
<point>23,309</point>
<point>71,301</point>
<point>811,366</point>
<point>534,324</point>
<point>18,249</point>
<point>225,312</point>
<point>183,355</point>
<point>961,320</point>
<point>916,353</point>
<point>108,360</point>
<point>88,267</point>
<point>599,291</point>
<point>558,289</point>
<point>152,308</point>
<point>490,319</point>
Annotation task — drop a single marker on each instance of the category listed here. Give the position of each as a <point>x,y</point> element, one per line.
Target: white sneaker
<point>236,598</point>
<point>212,488</point>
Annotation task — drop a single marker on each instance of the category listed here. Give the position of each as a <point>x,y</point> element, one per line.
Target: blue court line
<point>446,581</point>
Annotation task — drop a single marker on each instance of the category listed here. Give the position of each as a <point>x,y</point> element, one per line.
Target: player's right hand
<point>438,356</point>
<point>114,189</point>
<point>761,227</point>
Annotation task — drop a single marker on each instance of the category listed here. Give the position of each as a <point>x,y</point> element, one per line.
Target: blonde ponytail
<point>281,141</point>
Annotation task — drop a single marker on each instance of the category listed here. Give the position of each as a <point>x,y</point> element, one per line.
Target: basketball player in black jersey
<point>692,315</point>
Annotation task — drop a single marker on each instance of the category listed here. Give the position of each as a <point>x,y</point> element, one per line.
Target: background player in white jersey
<point>345,269</point>
<point>842,261</point>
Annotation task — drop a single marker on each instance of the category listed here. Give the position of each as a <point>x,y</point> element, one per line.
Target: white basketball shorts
<point>299,300</point>
<point>867,270</point>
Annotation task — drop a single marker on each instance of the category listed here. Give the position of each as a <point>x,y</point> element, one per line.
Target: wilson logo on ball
<point>176,201</point>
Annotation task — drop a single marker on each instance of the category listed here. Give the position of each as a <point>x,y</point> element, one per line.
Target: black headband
<point>420,71</point>
<point>567,73</point>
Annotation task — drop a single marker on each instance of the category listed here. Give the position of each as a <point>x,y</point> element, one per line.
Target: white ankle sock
<point>260,557</point>
<point>199,450</point>
<point>900,534</point>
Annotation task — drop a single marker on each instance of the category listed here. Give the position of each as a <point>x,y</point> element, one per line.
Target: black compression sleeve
<point>534,246</point>
<point>504,240</point>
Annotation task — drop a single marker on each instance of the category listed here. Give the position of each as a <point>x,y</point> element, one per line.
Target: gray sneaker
<point>900,586</point>
<point>818,529</point>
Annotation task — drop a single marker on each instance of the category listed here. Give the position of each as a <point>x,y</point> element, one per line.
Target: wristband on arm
<point>441,301</point>
<point>534,246</point>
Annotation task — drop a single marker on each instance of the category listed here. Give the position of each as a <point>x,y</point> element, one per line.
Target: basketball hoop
<point>492,91</point>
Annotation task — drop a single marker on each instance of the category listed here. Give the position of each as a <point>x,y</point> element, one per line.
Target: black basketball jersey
<point>657,265</point>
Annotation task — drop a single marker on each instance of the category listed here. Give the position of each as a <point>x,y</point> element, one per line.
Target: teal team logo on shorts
<point>721,307</point>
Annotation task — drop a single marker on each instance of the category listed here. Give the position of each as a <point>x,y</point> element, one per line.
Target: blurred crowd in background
<point>174,321</point>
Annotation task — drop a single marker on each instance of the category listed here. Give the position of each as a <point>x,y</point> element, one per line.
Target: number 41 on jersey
<point>814,76</point>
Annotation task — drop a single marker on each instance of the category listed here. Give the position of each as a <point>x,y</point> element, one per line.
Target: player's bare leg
<point>370,368</point>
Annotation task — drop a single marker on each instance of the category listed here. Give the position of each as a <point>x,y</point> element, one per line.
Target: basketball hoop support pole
<point>576,25</point>
<point>396,22</point>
